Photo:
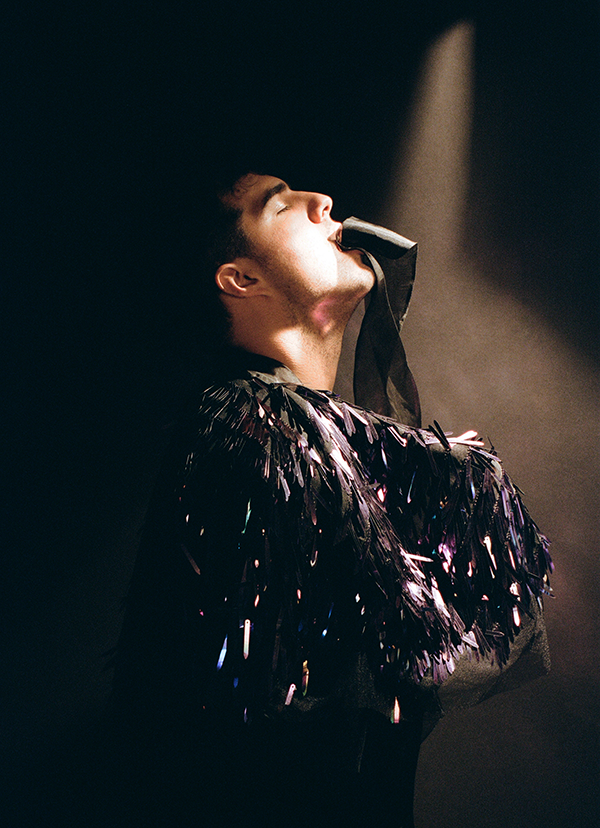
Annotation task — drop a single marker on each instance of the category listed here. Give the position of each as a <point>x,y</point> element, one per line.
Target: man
<point>312,571</point>
<point>291,298</point>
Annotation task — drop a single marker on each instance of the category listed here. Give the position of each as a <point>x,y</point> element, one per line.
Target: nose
<point>318,206</point>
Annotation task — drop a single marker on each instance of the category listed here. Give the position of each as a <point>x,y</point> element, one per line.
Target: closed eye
<point>282,209</point>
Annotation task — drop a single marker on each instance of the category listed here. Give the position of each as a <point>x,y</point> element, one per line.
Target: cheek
<point>303,257</point>
<point>317,257</point>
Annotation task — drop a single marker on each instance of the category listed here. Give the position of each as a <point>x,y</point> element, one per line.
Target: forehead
<point>251,192</point>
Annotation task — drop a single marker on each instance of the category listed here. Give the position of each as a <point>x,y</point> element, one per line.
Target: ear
<point>234,279</point>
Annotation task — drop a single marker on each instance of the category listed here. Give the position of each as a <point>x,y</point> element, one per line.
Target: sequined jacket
<point>303,552</point>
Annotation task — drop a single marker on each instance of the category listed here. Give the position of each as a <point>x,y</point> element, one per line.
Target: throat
<point>314,360</point>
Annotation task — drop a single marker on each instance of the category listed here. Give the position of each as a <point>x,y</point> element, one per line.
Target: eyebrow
<point>272,191</point>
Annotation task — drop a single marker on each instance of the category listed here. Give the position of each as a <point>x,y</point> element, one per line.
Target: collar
<point>262,367</point>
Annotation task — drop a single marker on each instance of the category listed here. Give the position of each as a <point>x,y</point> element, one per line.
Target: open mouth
<point>337,240</point>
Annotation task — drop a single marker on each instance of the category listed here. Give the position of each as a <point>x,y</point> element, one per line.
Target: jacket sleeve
<point>475,681</point>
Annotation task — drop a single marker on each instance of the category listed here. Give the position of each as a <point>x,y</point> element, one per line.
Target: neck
<point>309,344</point>
<point>314,360</point>
<point>312,354</point>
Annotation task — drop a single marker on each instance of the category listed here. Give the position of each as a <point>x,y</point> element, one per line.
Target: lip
<point>336,238</point>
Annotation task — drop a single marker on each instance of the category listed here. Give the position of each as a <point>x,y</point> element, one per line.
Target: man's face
<point>294,243</point>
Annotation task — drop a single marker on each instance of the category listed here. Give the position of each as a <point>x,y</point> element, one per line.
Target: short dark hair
<point>224,238</point>
<point>221,239</point>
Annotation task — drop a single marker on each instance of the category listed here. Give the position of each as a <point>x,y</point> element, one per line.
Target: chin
<point>367,277</point>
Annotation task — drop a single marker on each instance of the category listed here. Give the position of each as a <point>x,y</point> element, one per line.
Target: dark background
<point>114,115</point>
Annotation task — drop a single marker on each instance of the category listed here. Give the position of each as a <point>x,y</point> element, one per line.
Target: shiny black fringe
<point>347,532</point>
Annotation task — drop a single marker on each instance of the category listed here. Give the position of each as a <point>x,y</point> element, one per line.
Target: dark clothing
<point>310,572</point>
